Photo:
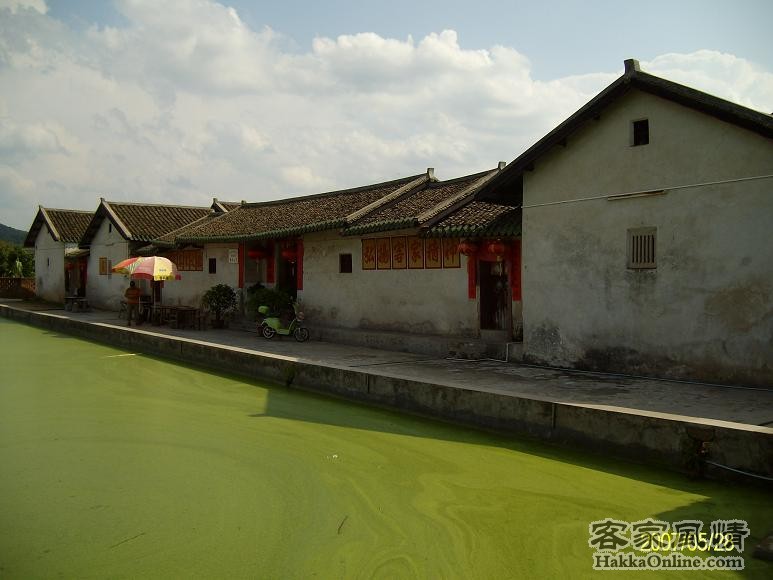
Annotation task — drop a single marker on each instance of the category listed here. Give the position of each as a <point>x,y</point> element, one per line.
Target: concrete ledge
<point>672,441</point>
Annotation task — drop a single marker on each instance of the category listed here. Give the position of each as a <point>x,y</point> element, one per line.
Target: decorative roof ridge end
<point>216,202</point>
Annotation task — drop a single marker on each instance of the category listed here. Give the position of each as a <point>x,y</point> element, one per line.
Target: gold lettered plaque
<point>399,253</point>
<point>451,253</point>
<point>383,254</point>
<point>433,253</point>
<point>415,253</point>
<point>369,254</point>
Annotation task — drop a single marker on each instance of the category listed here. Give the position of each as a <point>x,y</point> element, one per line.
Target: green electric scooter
<point>271,325</point>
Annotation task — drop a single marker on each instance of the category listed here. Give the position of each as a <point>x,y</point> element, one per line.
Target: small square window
<point>641,248</point>
<point>641,132</point>
<point>345,263</point>
<point>213,265</point>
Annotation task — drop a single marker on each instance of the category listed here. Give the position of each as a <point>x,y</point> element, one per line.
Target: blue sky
<point>560,38</point>
<point>180,101</point>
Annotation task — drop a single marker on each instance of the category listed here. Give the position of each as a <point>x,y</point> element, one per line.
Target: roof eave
<point>384,226</point>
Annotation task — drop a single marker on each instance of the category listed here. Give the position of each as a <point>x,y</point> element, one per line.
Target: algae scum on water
<point>122,465</point>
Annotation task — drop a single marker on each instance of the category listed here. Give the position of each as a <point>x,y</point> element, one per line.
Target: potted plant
<point>219,299</point>
<point>276,300</point>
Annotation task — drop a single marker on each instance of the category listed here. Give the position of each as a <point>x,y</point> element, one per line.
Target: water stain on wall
<point>740,308</point>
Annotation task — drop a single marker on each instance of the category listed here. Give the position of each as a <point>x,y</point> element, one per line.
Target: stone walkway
<point>745,405</point>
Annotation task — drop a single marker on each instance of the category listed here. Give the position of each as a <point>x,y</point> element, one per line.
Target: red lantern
<point>497,249</point>
<point>69,266</point>
<point>468,248</point>
<point>290,255</point>
<point>257,254</point>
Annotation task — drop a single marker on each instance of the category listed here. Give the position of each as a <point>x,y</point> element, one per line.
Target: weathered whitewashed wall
<point>49,267</point>
<point>106,290</point>
<point>192,285</point>
<point>415,301</point>
<point>706,312</point>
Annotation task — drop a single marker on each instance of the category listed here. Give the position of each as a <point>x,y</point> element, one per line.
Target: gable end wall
<point>706,312</point>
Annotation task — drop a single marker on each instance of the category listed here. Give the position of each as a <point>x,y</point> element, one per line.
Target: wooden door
<point>494,296</point>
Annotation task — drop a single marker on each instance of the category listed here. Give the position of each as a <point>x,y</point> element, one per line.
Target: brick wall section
<point>17,287</point>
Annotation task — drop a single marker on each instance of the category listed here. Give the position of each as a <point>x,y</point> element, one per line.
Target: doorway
<point>286,278</point>
<point>495,313</point>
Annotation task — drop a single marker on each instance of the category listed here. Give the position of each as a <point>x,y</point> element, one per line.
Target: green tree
<point>11,255</point>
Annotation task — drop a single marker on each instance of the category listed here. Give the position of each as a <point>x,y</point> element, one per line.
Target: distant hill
<point>9,234</point>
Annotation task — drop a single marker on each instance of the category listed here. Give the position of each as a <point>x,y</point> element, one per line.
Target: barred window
<point>642,247</point>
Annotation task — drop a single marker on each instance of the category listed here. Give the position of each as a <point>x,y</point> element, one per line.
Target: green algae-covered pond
<point>115,465</point>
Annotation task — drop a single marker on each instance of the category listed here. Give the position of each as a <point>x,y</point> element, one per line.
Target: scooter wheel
<point>268,332</point>
<point>301,334</point>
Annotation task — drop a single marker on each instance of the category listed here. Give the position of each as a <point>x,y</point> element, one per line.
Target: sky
<point>182,101</point>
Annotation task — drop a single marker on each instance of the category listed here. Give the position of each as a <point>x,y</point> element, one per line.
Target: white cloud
<point>301,177</point>
<point>723,75</point>
<point>31,140</point>
<point>188,102</point>
<point>198,46</point>
<point>15,5</point>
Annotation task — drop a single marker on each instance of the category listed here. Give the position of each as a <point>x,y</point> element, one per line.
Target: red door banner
<point>299,265</point>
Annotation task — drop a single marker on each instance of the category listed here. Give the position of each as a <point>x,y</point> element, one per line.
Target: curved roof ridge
<point>333,193</point>
<point>146,204</point>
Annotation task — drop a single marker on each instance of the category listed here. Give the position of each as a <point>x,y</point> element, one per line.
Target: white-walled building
<point>60,268</point>
<point>117,231</point>
<point>647,246</point>
<point>383,257</point>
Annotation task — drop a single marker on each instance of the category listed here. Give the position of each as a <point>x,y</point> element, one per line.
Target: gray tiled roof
<point>142,222</point>
<point>146,222</point>
<point>65,225</point>
<point>478,219</point>
<point>292,216</point>
<point>418,207</point>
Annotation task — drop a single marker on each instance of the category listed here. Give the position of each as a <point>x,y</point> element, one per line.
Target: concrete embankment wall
<point>668,440</point>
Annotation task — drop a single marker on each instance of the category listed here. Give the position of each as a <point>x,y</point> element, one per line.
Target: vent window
<point>213,265</point>
<point>641,132</point>
<point>642,248</point>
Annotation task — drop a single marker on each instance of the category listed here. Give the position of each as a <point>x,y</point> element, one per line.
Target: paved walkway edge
<point>666,440</point>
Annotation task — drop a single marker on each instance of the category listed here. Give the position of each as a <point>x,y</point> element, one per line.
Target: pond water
<point>121,465</point>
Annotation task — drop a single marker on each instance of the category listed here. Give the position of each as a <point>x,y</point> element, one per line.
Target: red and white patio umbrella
<point>149,268</point>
